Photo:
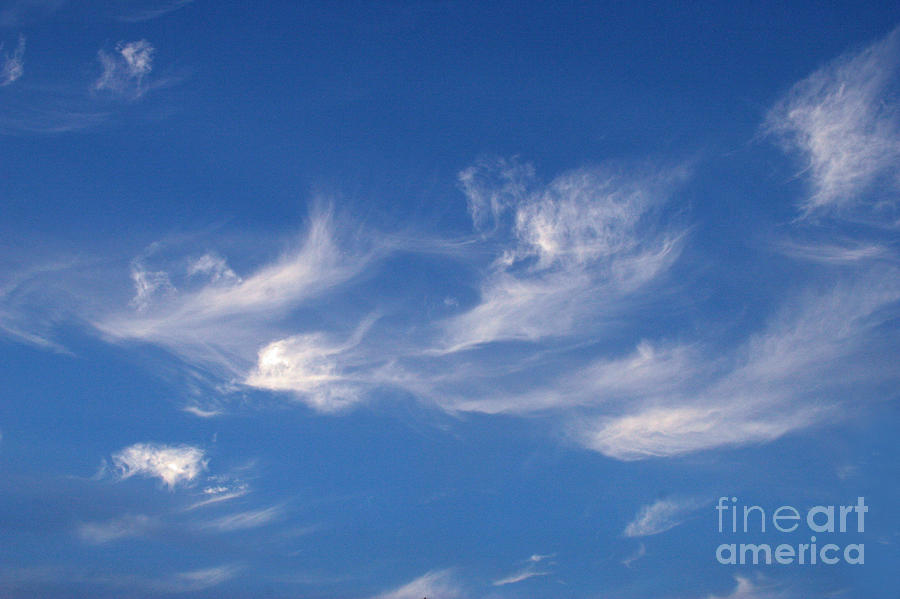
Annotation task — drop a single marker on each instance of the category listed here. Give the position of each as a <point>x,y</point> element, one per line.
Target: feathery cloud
<point>245,520</point>
<point>838,253</point>
<point>589,234</point>
<point>640,552</point>
<point>219,493</point>
<point>843,120</point>
<point>308,366</point>
<point>173,464</point>
<point>531,570</point>
<point>125,70</point>
<point>788,377</point>
<point>218,320</point>
<point>660,516</point>
<point>13,65</point>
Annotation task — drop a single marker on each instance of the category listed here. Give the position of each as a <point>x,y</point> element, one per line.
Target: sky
<point>392,300</point>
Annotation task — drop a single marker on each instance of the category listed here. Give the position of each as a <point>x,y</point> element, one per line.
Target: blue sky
<point>447,300</point>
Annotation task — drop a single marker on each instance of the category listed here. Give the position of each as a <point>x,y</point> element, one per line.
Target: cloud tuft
<point>12,66</point>
<point>125,70</point>
<point>173,464</point>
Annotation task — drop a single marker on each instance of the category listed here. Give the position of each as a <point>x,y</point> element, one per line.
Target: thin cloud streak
<point>659,517</point>
<point>245,520</point>
<point>850,253</point>
<point>437,583</point>
<point>152,10</point>
<point>531,570</point>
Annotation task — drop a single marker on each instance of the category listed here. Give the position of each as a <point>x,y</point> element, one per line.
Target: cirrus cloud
<point>172,464</point>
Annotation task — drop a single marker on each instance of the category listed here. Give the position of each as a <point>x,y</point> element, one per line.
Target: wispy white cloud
<point>677,430</point>
<point>640,552</point>
<point>788,377</point>
<point>214,268</point>
<point>530,570</point>
<point>13,65</point>
<point>219,321</point>
<point>437,583</point>
<point>245,520</point>
<point>307,366</point>
<point>843,120</point>
<point>660,516</point>
<point>125,70</point>
<point>31,301</point>
<point>838,253</point>
<point>197,580</point>
<point>115,529</point>
<point>219,493</point>
<point>561,262</point>
<point>200,412</point>
<point>173,464</point>
<point>148,285</point>
<point>588,234</point>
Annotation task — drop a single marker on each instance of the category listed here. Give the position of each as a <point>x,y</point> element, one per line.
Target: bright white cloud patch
<point>173,464</point>
<point>12,66</point>
<point>303,365</point>
<point>844,120</point>
<point>125,70</point>
<point>659,517</point>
